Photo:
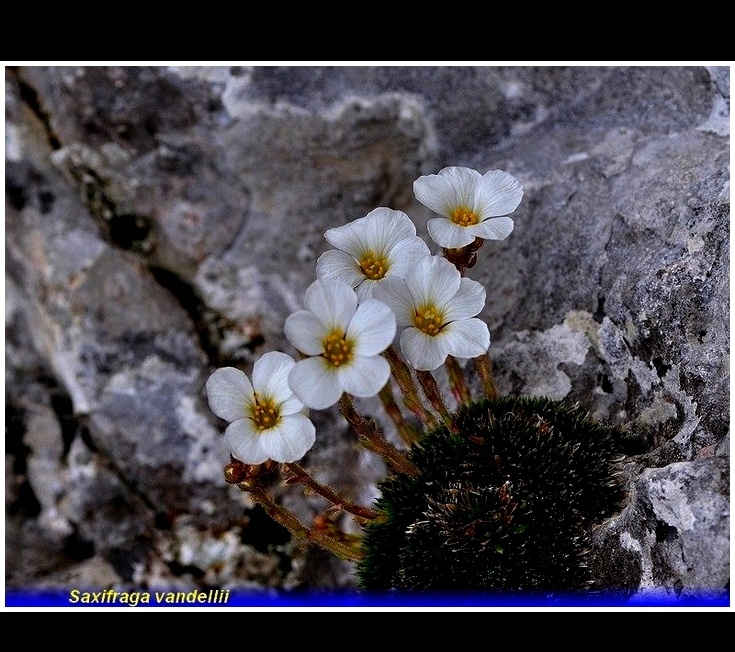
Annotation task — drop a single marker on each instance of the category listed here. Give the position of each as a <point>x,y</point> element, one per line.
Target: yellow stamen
<point>265,413</point>
<point>464,216</point>
<point>373,265</point>
<point>428,319</point>
<point>337,349</point>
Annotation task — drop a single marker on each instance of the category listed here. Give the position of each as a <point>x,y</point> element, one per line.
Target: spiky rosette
<point>506,505</point>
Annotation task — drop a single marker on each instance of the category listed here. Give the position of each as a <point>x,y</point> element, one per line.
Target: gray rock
<point>666,544</point>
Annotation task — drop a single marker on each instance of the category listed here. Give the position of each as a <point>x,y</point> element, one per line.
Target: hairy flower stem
<point>402,375</point>
<point>294,473</point>
<point>369,436</point>
<point>405,430</point>
<point>297,529</point>
<point>434,396</point>
<point>484,370</point>
<point>457,381</point>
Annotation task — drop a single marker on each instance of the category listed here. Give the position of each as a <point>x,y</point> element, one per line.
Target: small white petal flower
<point>343,340</point>
<point>266,420</point>
<point>473,205</point>
<point>438,307</point>
<point>380,245</point>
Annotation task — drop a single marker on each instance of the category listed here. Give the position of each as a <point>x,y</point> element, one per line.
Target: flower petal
<point>315,382</point>
<point>452,187</point>
<point>496,228</point>
<point>378,231</point>
<point>270,375</point>
<point>348,238</point>
<point>467,338</point>
<point>364,376</point>
<point>291,405</point>
<point>384,228</point>
<point>423,351</point>
<point>229,392</point>
<point>433,280</point>
<point>305,332</point>
<point>449,235</point>
<point>469,301</point>
<point>435,192</point>
<point>332,302</point>
<point>404,255</point>
<point>497,193</point>
<point>289,440</point>
<point>464,181</point>
<point>365,289</point>
<point>372,328</point>
<point>395,293</point>
<point>243,440</point>
<point>339,266</point>
<point>270,380</point>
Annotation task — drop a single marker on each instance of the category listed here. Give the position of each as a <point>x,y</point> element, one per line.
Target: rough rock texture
<point>163,221</point>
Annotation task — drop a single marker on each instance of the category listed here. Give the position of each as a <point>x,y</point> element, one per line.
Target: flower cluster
<point>490,493</point>
<point>380,280</point>
<point>382,307</point>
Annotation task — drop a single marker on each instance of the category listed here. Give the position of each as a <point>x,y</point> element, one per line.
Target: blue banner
<point>91,598</point>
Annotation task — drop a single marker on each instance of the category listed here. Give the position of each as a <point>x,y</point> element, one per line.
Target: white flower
<point>344,341</point>
<point>267,420</point>
<point>381,244</point>
<point>438,307</point>
<point>473,205</point>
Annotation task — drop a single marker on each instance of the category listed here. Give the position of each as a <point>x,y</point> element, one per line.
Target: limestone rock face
<point>164,221</point>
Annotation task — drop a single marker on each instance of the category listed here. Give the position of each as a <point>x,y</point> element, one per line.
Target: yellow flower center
<point>373,265</point>
<point>428,319</point>
<point>265,413</point>
<point>464,216</point>
<point>337,349</point>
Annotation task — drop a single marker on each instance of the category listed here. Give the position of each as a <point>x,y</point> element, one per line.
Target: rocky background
<point>164,221</point>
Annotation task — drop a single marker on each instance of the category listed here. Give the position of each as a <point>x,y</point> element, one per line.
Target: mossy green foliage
<point>505,506</point>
